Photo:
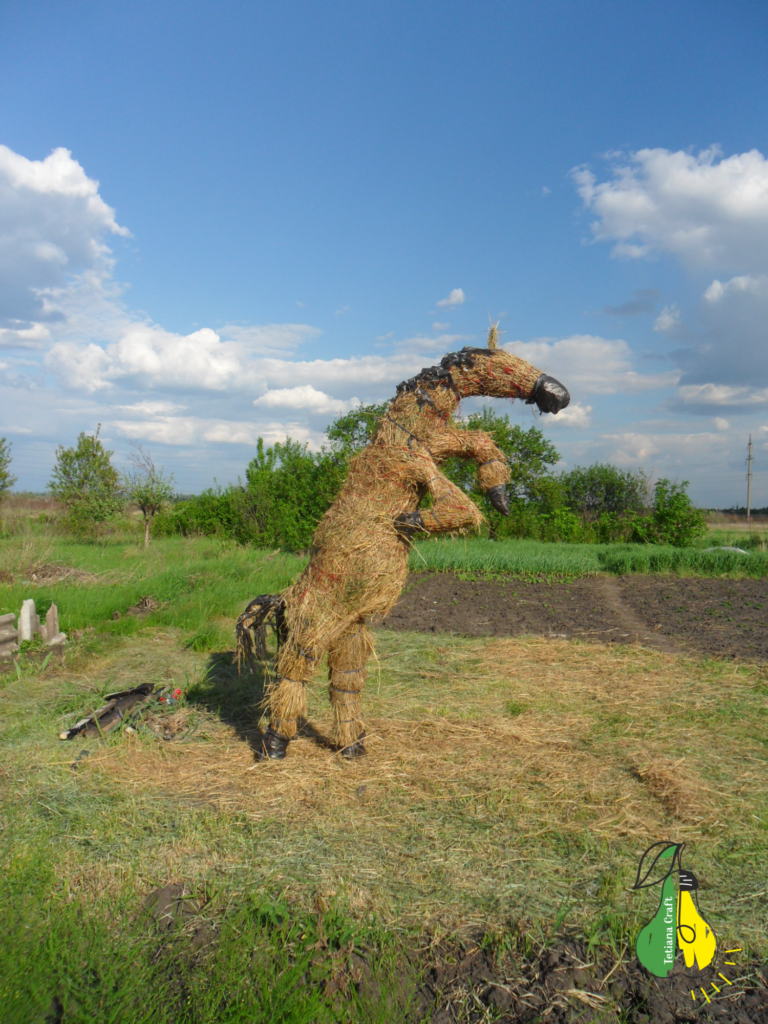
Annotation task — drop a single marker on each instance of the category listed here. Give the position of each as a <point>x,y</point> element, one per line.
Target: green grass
<point>474,558</point>
<point>755,539</point>
<point>195,581</point>
<point>103,961</point>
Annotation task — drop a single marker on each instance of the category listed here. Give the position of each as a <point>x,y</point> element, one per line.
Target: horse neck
<point>494,378</point>
<point>417,415</point>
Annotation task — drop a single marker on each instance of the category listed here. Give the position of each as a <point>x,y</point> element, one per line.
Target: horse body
<point>359,556</point>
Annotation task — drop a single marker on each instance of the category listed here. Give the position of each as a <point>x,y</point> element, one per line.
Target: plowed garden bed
<point>724,618</point>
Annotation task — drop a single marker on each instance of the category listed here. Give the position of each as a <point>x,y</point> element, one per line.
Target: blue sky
<point>220,221</point>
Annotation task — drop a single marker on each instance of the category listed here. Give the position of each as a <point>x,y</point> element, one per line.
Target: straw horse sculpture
<point>359,556</point>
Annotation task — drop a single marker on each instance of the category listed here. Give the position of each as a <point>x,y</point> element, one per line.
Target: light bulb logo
<point>674,928</point>
<point>694,935</point>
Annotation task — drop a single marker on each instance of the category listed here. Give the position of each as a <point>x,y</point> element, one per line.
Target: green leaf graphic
<point>656,943</point>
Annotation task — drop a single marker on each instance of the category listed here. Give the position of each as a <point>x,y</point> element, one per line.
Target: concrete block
<point>8,635</point>
<point>29,622</point>
<point>51,627</point>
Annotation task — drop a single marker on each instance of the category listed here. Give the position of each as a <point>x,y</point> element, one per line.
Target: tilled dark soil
<point>725,618</point>
<point>565,984</point>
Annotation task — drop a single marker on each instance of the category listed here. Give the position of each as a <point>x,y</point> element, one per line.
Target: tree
<point>530,456</point>
<point>351,432</point>
<point>290,489</point>
<point>528,452</point>
<point>6,480</point>
<point>674,520</point>
<point>83,470</point>
<point>147,487</point>
<point>85,480</point>
<point>593,490</point>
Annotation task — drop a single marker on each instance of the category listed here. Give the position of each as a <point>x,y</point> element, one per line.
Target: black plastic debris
<point>112,714</point>
<point>79,759</point>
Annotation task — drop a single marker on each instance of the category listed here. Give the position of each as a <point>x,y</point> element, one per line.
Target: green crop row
<point>538,558</point>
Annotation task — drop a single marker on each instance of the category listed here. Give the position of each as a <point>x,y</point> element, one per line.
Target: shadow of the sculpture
<point>237,699</point>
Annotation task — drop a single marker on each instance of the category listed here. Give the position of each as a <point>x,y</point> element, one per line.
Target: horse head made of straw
<point>359,555</point>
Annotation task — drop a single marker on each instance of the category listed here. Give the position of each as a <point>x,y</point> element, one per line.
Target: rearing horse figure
<point>359,554</point>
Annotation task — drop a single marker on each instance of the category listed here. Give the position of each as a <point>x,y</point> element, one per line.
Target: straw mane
<point>435,376</point>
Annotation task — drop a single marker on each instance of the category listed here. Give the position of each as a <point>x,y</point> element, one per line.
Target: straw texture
<point>359,555</point>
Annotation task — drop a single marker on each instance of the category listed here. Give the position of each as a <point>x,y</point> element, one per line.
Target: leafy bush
<point>290,489</point>
<point>6,480</point>
<point>214,513</point>
<point>287,490</point>
<point>530,455</point>
<point>595,490</point>
<point>85,480</point>
<point>351,432</point>
<point>86,516</point>
<point>674,519</point>
<point>528,452</point>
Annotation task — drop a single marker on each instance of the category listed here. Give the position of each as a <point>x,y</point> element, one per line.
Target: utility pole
<point>749,477</point>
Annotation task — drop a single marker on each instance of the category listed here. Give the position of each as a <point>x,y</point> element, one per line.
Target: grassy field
<point>530,558</point>
<point>511,787</point>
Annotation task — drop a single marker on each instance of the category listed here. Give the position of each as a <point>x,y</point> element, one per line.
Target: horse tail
<point>251,630</point>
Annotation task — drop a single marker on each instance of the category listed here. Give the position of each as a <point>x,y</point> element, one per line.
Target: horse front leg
<point>493,472</point>
<point>452,510</point>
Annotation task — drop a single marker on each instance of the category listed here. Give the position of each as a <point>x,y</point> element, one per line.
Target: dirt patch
<point>721,617</point>
<point>47,574</point>
<point>717,617</point>
<point>171,906</point>
<point>475,980</point>
<point>565,983</point>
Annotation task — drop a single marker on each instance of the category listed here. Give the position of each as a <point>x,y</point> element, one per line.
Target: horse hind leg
<point>286,697</point>
<point>346,671</point>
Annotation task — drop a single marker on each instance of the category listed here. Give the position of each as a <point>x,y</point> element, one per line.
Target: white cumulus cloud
<point>305,397</point>
<point>590,365</point>
<point>151,408</point>
<point>184,431</point>
<point>668,320</point>
<point>711,212</point>
<point>707,395</point>
<point>743,284</point>
<point>706,209</point>
<point>575,415</point>
<point>145,355</point>
<point>53,226</point>
<point>456,297</point>
<point>20,336</point>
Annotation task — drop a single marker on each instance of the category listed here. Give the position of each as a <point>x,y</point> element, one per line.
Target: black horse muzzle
<point>549,395</point>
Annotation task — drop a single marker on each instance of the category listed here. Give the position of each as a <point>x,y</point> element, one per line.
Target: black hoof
<point>355,750</point>
<point>549,395</point>
<point>407,523</point>
<point>499,498</point>
<point>273,746</point>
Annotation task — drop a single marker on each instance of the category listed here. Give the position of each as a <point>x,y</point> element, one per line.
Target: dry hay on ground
<point>492,767</point>
<point>554,766</point>
<point>49,573</point>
